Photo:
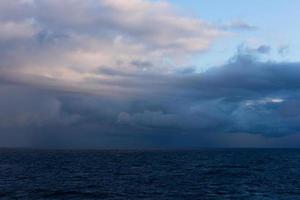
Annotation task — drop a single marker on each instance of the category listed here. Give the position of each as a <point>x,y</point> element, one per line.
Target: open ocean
<point>153,175</point>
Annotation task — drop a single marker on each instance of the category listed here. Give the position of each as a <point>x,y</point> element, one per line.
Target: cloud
<point>108,74</point>
<point>254,50</point>
<point>148,119</point>
<point>239,25</point>
<point>11,30</point>
<point>283,50</point>
<point>118,34</point>
<point>263,49</point>
<point>243,97</point>
<point>25,107</point>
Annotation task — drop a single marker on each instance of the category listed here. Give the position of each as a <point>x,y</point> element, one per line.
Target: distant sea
<point>153,175</point>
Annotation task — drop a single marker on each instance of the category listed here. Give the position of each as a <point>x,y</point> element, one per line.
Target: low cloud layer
<point>243,97</point>
<point>109,74</point>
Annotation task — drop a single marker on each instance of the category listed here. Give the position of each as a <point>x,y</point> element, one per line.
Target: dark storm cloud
<point>244,96</point>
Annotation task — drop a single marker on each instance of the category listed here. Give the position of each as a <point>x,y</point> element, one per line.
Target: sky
<point>149,74</point>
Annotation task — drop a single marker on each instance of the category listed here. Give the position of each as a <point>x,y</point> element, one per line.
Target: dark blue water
<point>207,174</point>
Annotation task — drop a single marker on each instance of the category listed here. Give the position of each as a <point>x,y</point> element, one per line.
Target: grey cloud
<point>262,49</point>
<point>144,65</point>
<point>25,107</point>
<point>283,50</point>
<point>149,119</point>
<point>187,70</point>
<point>109,71</point>
<point>243,96</point>
<point>239,25</point>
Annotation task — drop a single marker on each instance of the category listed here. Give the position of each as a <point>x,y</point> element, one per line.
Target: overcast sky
<point>149,74</point>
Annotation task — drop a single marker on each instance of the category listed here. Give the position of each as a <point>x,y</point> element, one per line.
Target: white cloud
<point>70,40</point>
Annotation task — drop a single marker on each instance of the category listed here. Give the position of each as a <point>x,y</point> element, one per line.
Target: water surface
<point>204,174</point>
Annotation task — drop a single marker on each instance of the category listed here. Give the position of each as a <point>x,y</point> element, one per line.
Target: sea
<point>260,174</point>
